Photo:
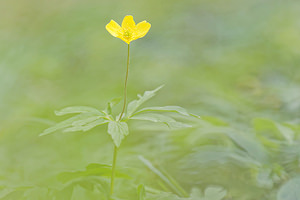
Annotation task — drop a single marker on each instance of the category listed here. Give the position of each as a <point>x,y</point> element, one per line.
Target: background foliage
<point>235,63</point>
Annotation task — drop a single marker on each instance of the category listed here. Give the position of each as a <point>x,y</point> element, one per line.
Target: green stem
<point>113,170</point>
<point>123,110</point>
<point>125,85</point>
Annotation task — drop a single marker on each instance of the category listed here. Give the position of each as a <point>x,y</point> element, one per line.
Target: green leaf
<point>264,178</point>
<point>118,131</point>
<point>170,182</point>
<point>67,123</point>
<point>94,124</point>
<point>290,190</point>
<point>177,109</point>
<point>85,121</point>
<point>77,109</point>
<point>92,187</point>
<point>246,141</point>
<point>133,105</point>
<point>213,154</point>
<point>276,130</point>
<point>111,104</point>
<point>249,143</point>
<point>154,117</point>
<point>214,121</point>
<point>214,193</point>
<point>164,196</point>
<point>87,126</point>
<point>93,169</point>
<point>210,193</point>
<point>141,192</point>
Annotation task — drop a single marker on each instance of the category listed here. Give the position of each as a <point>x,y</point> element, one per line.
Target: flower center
<point>127,34</point>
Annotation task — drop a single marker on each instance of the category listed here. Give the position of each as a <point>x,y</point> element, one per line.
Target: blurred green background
<point>234,62</point>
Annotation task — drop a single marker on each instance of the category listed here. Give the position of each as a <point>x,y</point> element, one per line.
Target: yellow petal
<point>142,29</point>
<point>128,23</point>
<point>125,40</point>
<point>114,28</point>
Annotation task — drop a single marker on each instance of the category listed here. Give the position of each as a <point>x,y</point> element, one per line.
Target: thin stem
<point>123,110</point>
<point>125,85</point>
<point>112,178</point>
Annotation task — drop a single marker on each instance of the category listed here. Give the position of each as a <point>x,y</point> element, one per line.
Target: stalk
<point>123,110</point>
<point>125,85</point>
<point>112,180</point>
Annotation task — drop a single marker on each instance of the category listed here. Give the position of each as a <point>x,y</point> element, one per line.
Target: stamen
<point>127,34</point>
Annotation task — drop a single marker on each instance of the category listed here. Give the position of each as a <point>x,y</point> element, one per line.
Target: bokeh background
<point>234,62</point>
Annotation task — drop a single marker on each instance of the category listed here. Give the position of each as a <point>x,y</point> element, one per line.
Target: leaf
<point>118,131</point>
<point>290,190</point>
<point>211,193</point>
<point>141,192</point>
<point>164,196</point>
<point>77,109</point>
<point>274,129</point>
<point>196,194</point>
<point>37,193</point>
<point>133,105</point>
<point>214,121</point>
<point>66,123</point>
<point>111,104</point>
<point>177,109</point>
<point>93,169</point>
<point>94,124</point>
<point>287,132</point>
<point>14,193</point>
<point>168,181</point>
<point>249,143</point>
<point>65,193</point>
<point>264,178</point>
<point>243,140</point>
<point>154,117</point>
<point>85,121</point>
<point>212,154</point>
<point>85,125</point>
<point>214,193</point>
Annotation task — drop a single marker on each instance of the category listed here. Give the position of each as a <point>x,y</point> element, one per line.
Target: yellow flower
<point>129,31</point>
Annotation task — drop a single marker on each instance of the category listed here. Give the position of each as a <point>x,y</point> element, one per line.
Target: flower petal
<point>114,28</point>
<point>142,29</point>
<point>128,23</point>
<point>126,40</point>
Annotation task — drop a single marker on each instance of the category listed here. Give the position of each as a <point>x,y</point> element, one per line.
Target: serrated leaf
<point>77,109</point>
<point>118,131</point>
<point>133,105</point>
<point>290,190</point>
<point>66,123</point>
<point>154,117</point>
